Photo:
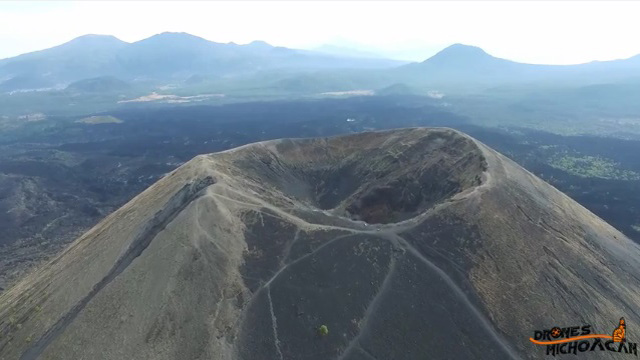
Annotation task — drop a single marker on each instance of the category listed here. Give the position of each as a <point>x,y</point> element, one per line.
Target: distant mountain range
<point>181,57</point>
<point>166,56</point>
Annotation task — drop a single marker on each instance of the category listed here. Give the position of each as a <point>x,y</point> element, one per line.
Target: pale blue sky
<point>534,32</point>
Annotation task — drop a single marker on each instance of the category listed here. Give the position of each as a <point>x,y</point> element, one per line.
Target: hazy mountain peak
<point>96,37</point>
<point>259,44</point>
<point>464,47</point>
<point>80,46</point>
<point>173,37</point>
<point>460,51</point>
<point>93,40</point>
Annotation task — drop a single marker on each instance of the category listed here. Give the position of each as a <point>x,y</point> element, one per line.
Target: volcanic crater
<point>367,178</point>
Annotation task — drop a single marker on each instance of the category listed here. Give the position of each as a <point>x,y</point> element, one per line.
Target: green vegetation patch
<point>103,119</point>
<point>323,330</point>
<point>592,166</point>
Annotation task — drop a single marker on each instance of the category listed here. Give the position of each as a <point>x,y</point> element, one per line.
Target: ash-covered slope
<point>406,244</point>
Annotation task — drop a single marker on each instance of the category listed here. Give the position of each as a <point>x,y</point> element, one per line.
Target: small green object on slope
<point>323,330</point>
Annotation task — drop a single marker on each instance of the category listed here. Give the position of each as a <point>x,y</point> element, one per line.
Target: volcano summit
<point>403,244</point>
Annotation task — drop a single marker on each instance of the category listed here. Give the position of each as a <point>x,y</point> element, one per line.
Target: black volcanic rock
<point>406,244</point>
